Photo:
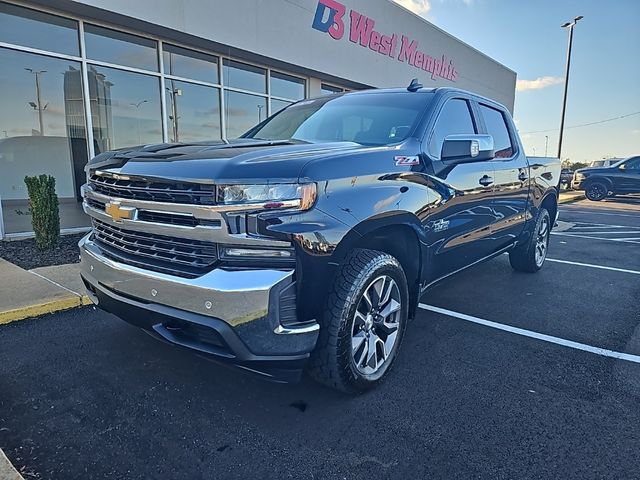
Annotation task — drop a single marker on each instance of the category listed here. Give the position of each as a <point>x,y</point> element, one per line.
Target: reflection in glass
<point>121,48</point>
<point>329,89</point>
<point>245,77</point>
<point>193,112</point>
<point>23,26</point>
<point>42,131</point>
<point>277,105</point>
<point>125,108</point>
<point>286,86</point>
<point>190,64</point>
<point>242,112</point>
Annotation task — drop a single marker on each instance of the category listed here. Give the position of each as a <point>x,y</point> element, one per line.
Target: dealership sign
<point>330,18</point>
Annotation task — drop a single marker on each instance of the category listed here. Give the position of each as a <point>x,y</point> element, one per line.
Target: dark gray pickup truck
<point>308,242</point>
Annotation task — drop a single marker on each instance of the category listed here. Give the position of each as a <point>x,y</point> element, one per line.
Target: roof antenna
<point>415,85</point>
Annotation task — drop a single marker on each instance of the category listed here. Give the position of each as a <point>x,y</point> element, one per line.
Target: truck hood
<point>245,160</point>
<point>592,170</point>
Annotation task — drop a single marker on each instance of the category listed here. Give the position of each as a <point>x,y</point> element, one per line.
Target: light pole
<point>566,79</point>
<point>137,105</point>
<point>38,106</point>
<point>546,144</point>
<point>260,107</point>
<point>175,93</point>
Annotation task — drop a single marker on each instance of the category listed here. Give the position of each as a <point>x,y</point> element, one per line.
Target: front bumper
<point>231,316</point>
<point>577,184</point>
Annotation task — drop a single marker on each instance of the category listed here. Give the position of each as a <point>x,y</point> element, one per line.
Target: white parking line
<point>598,213</point>
<point>624,240</point>
<point>602,267</point>
<point>602,232</point>
<point>538,336</point>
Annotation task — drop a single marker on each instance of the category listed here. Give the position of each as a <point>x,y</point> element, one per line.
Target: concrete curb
<point>41,309</point>
<point>7,470</point>
<point>571,199</point>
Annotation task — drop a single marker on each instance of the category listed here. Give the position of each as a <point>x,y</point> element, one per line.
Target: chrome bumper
<point>235,297</point>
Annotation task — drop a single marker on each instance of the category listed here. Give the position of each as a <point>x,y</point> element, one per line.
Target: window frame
<point>515,145</point>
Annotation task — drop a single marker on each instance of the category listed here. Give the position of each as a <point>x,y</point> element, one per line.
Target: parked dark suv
<point>310,240</point>
<point>598,183</point>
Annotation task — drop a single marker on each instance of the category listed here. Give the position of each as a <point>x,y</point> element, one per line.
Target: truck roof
<point>442,90</point>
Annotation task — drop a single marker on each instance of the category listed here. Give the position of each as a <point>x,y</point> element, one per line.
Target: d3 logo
<point>329,18</point>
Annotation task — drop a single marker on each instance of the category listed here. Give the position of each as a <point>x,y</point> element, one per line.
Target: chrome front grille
<point>153,190</point>
<point>175,256</point>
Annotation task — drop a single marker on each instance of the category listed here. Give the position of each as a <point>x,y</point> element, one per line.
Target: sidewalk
<point>7,471</point>
<point>29,293</point>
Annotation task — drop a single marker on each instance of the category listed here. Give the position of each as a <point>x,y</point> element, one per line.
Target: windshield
<point>368,119</point>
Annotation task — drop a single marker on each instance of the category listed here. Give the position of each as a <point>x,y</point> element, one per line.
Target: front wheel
<point>596,191</point>
<point>530,256</point>
<point>364,322</point>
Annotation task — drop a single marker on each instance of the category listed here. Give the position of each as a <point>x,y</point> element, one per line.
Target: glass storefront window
<point>243,111</point>
<point>329,89</point>
<point>277,105</point>
<point>193,112</point>
<point>245,77</point>
<point>120,48</point>
<point>286,86</point>
<point>42,131</point>
<point>22,26</point>
<point>181,62</point>
<point>125,108</point>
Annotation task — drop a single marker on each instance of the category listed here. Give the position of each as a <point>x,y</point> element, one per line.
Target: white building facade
<point>81,77</point>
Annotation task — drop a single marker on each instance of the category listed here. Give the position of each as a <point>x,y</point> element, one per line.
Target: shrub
<point>45,216</point>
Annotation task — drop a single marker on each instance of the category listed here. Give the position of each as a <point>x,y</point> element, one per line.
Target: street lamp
<point>570,25</point>
<point>175,93</point>
<point>38,106</point>
<point>546,144</point>
<point>137,106</point>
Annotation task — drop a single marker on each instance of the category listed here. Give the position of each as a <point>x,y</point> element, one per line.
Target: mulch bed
<point>25,254</point>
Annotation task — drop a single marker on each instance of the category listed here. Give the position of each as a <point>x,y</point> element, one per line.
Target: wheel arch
<point>398,234</point>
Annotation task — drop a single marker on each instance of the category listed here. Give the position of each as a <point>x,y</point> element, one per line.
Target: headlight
<point>283,195</point>
<point>579,176</point>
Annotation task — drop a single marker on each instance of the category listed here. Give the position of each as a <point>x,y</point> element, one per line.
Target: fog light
<point>261,253</point>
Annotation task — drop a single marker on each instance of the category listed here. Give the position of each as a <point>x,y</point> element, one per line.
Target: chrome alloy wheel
<point>542,241</point>
<point>375,326</point>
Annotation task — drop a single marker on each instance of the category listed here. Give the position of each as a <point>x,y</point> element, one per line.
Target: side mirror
<point>467,148</point>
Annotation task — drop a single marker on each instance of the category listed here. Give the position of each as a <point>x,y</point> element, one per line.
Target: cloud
<point>538,83</point>
<point>421,7</point>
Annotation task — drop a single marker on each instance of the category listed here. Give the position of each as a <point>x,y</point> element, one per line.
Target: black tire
<point>524,258</point>
<point>596,191</point>
<point>333,362</point>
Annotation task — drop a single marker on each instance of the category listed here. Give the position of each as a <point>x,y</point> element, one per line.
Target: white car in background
<point>604,163</point>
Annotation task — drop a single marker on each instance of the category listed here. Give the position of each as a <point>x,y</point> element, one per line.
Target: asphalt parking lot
<point>501,375</point>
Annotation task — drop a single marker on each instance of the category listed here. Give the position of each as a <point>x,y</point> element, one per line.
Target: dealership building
<point>81,77</point>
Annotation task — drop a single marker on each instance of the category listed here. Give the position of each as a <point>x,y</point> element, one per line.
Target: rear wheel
<point>530,256</point>
<point>364,322</point>
<point>596,191</point>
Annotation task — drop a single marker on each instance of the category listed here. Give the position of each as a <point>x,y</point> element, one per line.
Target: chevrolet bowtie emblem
<point>119,213</point>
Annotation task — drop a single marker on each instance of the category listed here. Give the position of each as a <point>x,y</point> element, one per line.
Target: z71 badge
<point>440,225</point>
<point>405,161</point>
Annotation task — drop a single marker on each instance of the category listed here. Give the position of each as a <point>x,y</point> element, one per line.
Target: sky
<point>526,36</point>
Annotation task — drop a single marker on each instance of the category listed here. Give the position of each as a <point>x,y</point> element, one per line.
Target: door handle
<point>523,176</point>
<point>486,180</point>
